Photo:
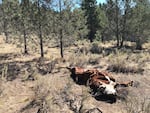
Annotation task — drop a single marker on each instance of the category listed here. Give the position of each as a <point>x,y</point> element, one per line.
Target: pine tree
<point>139,22</point>
<point>9,11</point>
<point>24,19</point>
<point>89,6</point>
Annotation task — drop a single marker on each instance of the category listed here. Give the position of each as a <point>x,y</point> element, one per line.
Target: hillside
<point>29,84</point>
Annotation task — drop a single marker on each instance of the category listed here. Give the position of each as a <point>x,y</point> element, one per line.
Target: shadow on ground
<point>13,69</point>
<point>106,98</point>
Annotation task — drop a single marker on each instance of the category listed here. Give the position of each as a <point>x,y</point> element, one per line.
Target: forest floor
<point>29,84</point>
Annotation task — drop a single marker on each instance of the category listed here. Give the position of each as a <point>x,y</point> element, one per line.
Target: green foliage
<point>89,6</point>
<point>9,10</point>
<point>139,24</point>
<point>80,30</point>
<point>103,23</point>
<point>120,19</point>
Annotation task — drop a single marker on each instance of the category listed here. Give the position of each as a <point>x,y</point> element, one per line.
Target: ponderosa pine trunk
<point>40,30</point>
<point>25,42</point>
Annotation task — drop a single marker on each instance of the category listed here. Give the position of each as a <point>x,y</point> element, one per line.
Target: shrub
<point>45,67</point>
<point>122,63</point>
<point>82,50</point>
<point>94,60</point>
<point>124,68</point>
<point>96,49</point>
<point>81,59</point>
<point>78,60</point>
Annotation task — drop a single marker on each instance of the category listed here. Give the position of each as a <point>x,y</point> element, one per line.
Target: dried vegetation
<point>53,91</point>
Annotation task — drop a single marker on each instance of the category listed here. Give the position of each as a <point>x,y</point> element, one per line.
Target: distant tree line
<point>118,20</point>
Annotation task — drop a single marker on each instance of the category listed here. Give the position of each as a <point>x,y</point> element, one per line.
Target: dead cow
<point>99,81</point>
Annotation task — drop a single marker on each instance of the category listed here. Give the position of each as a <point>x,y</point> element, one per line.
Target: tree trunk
<point>61,43</point>
<point>61,30</point>
<point>41,41</point>
<point>102,36</point>
<point>117,36</point>
<point>25,42</point>
<point>122,42</point>
<point>139,44</point>
<point>92,31</point>
<point>91,36</point>
<point>124,31</point>
<point>40,31</point>
<point>117,25</point>
<point>6,35</point>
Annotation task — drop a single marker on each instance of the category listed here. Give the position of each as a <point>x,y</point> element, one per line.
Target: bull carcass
<point>100,82</point>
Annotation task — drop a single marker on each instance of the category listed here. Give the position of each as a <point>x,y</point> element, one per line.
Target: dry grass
<point>83,60</point>
<point>121,62</point>
<point>56,95</point>
<point>140,58</point>
<point>135,105</point>
<point>146,46</point>
<point>55,92</point>
<point>46,91</point>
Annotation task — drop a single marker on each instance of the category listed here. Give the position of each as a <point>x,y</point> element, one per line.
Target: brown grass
<point>135,105</point>
<point>55,92</point>
<point>122,62</point>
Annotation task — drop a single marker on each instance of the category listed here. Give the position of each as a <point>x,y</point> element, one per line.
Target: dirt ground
<point>31,85</point>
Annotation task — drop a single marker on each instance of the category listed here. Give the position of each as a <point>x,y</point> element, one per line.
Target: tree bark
<point>123,32</point>
<point>139,43</point>
<point>117,25</point>
<point>127,7</point>
<point>41,41</point>
<point>40,31</point>
<point>61,43</point>
<point>25,42</point>
<point>118,40</point>
<point>61,30</point>
<point>91,36</point>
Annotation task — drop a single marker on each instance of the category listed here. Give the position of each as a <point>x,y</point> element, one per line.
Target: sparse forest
<point>67,21</point>
<point>40,38</point>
